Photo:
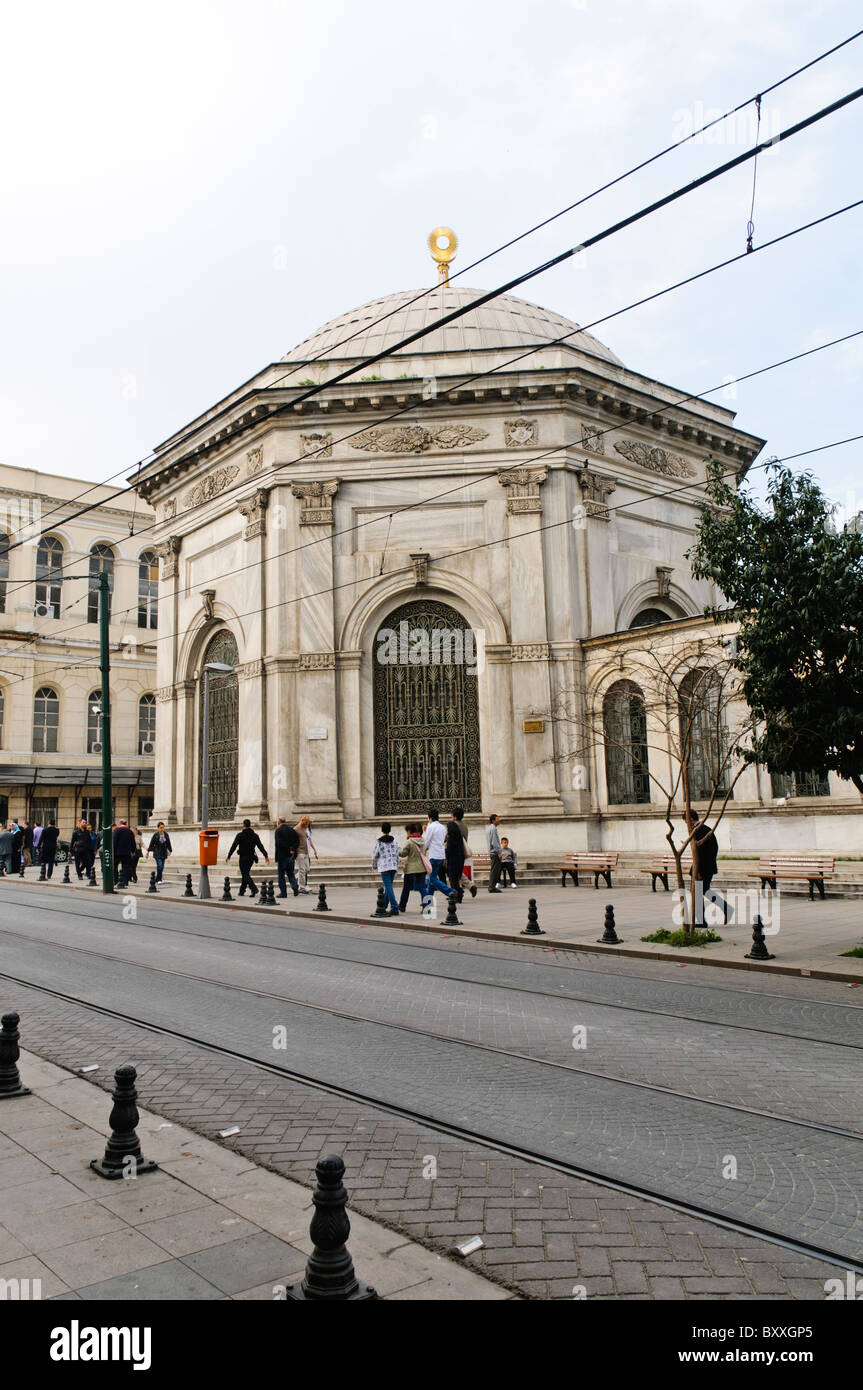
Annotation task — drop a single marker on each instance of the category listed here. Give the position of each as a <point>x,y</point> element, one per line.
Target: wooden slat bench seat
<point>812,867</point>
<point>663,866</point>
<point>590,862</point>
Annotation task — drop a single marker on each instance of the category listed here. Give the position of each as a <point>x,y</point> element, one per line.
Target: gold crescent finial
<point>443,254</point>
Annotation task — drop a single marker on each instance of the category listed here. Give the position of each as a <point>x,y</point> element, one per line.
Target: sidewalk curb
<point>334,915</point>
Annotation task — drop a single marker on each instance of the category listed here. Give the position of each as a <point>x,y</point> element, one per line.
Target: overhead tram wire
<point>580,202</point>
<point>633,502</point>
<point>521,463</point>
<point>11,588</point>
<point>563,256</point>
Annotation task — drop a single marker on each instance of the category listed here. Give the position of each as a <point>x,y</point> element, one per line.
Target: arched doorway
<point>224,728</point>
<point>425,711</point>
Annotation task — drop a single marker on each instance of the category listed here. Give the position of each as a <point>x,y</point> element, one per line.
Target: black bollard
<point>759,947</point>
<point>122,881</point>
<point>42,873</point>
<point>92,877</point>
<point>381,904</point>
<point>190,892</point>
<point>123,1157</point>
<point>272,894</point>
<point>268,897</point>
<point>322,905</point>
<point>452,918</point>
<point>329,1269</point>
<point>66,878</point>
<point>226,892</point>
<point>609,936</point>
<point>533,927</point>
<point>152,888</point>
<point>10,1081</point>
<point>21,869</point>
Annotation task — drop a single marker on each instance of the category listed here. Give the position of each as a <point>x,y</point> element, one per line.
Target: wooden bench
<point>662,867</point>
<point>813,867</point>
<point>589,862</point>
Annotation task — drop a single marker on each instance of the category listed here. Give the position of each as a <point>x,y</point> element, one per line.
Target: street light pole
<point>221,669</point>
<point>105,730</point>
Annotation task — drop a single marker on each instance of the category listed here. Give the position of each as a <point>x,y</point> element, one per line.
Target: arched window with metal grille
<point>703,733</point>
<point>101,562</point>
<point>626,757</point>
<point>46,720</point>
<point>148,590</point>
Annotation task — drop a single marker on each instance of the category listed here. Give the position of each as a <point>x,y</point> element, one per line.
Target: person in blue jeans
<point>385,858</point>
<point>160,848</point>
<point>287,843</point>
<point>415,872</point>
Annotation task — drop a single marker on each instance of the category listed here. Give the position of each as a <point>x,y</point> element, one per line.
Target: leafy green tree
<point>793,582</point>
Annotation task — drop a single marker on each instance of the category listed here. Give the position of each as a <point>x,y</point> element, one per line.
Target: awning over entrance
<point>20,775</point>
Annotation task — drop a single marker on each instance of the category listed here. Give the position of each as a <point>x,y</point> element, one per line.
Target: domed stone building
<point>410,568</point>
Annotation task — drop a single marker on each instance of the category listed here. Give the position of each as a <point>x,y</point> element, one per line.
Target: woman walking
<point>385,858</point>
<point>303,828</point>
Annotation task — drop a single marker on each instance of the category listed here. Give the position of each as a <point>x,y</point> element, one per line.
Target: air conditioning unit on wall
<point>96,748</point>
<point>147,749</point>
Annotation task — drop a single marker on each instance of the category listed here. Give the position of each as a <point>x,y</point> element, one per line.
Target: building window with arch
<point>223,727</point>
<point>649,617</point>
<point>94,721</point>
<point>148,590</point>
<point>46,720</point>
<point>101,562</point>
<point>703,733</point>
<point>147,725</point>
<point>626,758</point>
<point>4,569</point>
<point>49,577</point>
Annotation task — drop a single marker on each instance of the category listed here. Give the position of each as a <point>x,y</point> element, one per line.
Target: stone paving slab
<point>810,939</point>
<point>546,1235</point>
<point>160,1236</point>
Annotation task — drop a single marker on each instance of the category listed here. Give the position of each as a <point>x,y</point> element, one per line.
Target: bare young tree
<point>672,719</point>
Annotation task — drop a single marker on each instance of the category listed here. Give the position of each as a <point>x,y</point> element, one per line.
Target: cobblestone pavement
<point>586,1116</point>
<point>546,1235</point>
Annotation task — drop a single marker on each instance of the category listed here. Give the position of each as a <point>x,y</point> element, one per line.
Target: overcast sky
<point>191,188</point>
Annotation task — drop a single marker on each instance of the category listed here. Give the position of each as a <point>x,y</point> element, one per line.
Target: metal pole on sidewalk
<point>107,791</point>
<point>204,877</point>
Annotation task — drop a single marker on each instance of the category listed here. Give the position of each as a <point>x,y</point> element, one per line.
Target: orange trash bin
<point>209,847</point>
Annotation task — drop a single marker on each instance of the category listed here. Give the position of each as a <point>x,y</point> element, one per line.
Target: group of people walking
<point>293,849</point>
<point>437,860</point>
<point>28,844</point>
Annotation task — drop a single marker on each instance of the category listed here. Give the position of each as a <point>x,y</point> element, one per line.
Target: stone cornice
<point>678,423</point>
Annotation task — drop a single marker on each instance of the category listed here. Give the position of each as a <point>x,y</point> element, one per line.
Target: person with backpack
<point>245,843</point>
<point>385,858</point>
<point>160,847</point>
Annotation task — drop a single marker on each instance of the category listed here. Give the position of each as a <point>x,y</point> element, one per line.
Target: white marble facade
<point>548,501</point>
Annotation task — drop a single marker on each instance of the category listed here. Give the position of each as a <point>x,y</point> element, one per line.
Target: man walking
<point>706,855</point>
<point>124,852</point>
<point>81,848</point>
<point>245,843</point>
<point>492,835</point>
<point>287,842</point>
<point>7,839</point>
<point>303,828</point>
<point>160,847</point>
<point>48,849</point>
<point>435,838</point>
<point>455,847</point>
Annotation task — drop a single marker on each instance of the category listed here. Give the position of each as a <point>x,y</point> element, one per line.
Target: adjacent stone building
<point>504,492</point>
<point>50,684</point>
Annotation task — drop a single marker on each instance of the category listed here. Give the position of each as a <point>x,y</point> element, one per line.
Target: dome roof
<point>504,322</point>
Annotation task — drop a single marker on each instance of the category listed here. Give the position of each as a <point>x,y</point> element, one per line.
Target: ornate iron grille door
<point>425,712</point>
<point>224,729</point>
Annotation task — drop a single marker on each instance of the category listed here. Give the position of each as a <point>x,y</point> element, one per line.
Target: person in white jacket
<point>385,858</point>
<point>492,835</point>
